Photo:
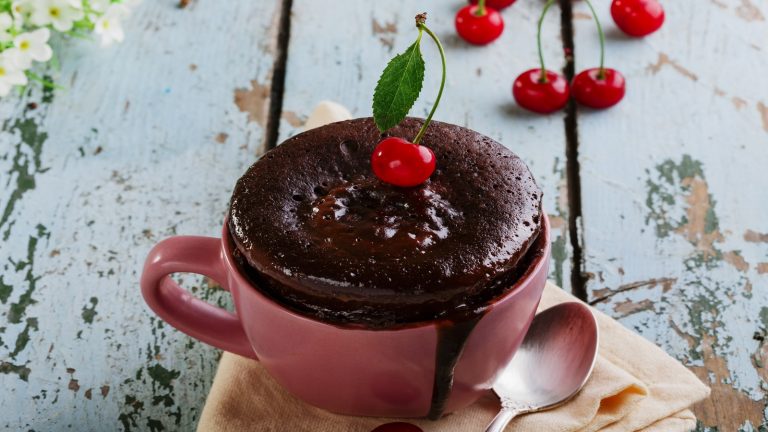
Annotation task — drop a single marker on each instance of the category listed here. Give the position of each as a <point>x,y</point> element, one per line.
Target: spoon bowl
<point>553,363</point>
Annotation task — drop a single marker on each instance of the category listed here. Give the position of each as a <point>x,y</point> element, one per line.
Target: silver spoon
<point>552,364</point>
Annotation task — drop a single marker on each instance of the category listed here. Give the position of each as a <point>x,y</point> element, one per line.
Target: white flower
<point>6,22</point>
<point>99,5</point>
<point>96,8</point>
<point>10,74</point>
<point>32,46</point>
<point>16,58</point>
<point>20,8</point>
<point>109,25</point>
<point>61,14</point>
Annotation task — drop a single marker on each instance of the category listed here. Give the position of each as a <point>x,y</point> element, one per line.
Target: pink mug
<point>382,373</point>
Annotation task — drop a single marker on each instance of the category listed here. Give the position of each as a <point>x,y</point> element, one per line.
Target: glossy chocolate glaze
<point>451,338</point>
<point>322,235</point>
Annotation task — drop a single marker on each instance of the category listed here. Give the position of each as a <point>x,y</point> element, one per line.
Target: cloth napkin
<point>635,386</point>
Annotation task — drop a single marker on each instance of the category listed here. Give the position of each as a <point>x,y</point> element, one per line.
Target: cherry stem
<point>601,73</point>
<point>423,129</point>
<point>543,77</point>
<point>480,11</point>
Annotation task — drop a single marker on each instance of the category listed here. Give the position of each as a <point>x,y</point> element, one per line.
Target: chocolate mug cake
<point>317,232</point>
<point>384,266</point>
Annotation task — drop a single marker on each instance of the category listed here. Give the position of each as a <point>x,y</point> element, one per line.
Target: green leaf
<point>398,87</point>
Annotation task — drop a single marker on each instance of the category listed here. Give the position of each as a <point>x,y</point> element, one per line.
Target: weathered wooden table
<point>657,205</point>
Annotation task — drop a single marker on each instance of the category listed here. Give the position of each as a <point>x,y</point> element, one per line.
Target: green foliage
<point>398,87</point>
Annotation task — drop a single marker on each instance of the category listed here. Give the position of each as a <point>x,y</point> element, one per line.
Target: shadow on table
<point>512,109</point>
<point>614,34</point>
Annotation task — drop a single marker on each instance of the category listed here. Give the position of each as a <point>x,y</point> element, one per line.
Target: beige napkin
<point>635,386</point>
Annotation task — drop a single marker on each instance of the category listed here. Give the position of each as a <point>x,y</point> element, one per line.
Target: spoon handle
<point>502,419</point>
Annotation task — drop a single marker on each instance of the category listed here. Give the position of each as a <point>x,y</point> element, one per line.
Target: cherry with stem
<point>541,90</point>
<point>398,161</point>
<point>599,87</point>
<point>479,24</point>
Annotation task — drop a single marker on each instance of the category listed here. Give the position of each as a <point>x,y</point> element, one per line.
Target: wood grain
<point>149,137</point>
<point>358,39</point>
<point>673,195</point>
<point>145,142</point>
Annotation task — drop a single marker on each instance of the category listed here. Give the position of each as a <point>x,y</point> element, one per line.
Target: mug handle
<point>179,308</point>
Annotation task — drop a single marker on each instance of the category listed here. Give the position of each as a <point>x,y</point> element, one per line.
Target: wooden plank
<point>359,38</point>
<point>673,192</point>
<point>146,141</point>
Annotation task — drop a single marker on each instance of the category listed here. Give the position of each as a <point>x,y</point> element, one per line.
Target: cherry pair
<point>480,23</point>
<point>544,91</point>
<point>548,92</point>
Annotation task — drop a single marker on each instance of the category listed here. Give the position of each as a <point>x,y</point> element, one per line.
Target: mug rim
<point>533,269</point>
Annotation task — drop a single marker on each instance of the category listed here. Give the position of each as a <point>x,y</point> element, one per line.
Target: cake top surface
<point>311,216</point>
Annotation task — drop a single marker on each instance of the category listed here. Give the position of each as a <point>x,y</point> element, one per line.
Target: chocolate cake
<point>319,233</point>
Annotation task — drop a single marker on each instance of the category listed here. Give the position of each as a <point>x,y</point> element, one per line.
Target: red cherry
<point>595,91</point>
<point>479,30</point>
<point>496,4</point>
<point>397,427</point>
<point>541,97</point>
<point>637,17</point>
<point>401,163</point>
